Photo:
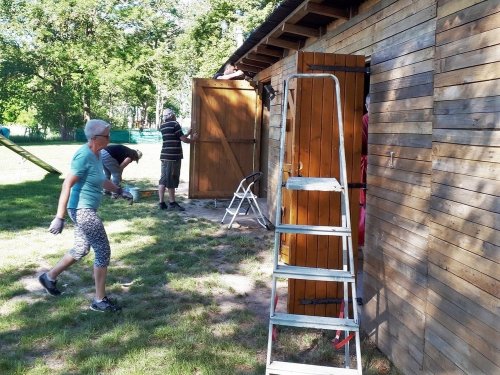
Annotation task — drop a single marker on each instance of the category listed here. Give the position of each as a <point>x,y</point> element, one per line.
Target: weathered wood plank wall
<point>432,254</point>
<point>462,314</point>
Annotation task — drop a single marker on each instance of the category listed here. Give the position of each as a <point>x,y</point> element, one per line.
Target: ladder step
<point>313,229</point>
<point>313,183</point>
<point>309,273</point>
<point>318,322</point>
<point>242,195</point>
<point>278,368</point>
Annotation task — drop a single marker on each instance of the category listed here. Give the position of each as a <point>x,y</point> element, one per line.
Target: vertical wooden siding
<point>462,332</point>
<point>315,149</point>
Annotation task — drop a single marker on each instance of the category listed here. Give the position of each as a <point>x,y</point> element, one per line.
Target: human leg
<point>161,186</point>
<point>174,171</point>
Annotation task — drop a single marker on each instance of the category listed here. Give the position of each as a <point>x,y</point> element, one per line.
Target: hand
<point>56,226</point>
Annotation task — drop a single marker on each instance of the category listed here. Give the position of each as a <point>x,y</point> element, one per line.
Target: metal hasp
<point>345,276</point>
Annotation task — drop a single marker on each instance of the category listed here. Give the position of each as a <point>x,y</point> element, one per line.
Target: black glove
<point>125,194</point>
<point>56,226</point>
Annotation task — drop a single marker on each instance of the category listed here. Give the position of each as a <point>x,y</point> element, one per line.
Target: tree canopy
<point>64,61</point>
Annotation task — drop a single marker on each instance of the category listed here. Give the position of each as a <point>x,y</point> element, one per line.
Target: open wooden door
<point>312,151</point>
<point>226,116</point>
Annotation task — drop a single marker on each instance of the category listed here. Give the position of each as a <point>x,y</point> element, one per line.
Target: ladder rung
<point>278,368</point>
<point>313,183</point>
<point>309,273</point>
<point>318,322</point>
<point>313,229</point>
<point>242,195</point>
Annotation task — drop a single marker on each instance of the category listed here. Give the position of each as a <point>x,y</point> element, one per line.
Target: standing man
<point>114,160</point>
<point>171,157</point>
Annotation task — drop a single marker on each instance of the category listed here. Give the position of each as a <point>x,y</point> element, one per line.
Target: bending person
<point>81,196</point>
<point>115,158</point>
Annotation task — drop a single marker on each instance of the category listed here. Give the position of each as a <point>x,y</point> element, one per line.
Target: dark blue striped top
<point>171,133</point>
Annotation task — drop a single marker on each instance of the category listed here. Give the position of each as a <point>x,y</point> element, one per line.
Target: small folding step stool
<point>346,275</point>
<point>244,194</point>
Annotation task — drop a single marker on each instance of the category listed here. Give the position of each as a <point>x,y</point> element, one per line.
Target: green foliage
<point>64,61</point>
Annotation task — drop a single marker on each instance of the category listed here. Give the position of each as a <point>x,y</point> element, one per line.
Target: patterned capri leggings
<point>89,232</point>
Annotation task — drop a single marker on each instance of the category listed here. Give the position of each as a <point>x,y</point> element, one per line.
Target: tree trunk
<point>86,106</point>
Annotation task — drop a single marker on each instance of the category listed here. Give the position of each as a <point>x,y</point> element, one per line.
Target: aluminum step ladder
<point>244,195</point>
<point>346,275</point>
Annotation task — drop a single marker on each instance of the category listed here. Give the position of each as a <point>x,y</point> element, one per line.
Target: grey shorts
<point>89,232</point>
<point>170,173</point>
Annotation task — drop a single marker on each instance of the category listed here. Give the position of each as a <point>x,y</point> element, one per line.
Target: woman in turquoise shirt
<point>81,196</point>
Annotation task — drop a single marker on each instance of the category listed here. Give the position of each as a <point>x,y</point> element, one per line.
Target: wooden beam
<point>263,50</point>
<point>266,59</point>
<point>251,62</point>
<point>299,30</point>
<point>283,43</point>
<point>248,68</point>
<point>326,10</point>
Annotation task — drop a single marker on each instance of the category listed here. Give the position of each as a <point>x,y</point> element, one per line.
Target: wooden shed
<point>431,268</point>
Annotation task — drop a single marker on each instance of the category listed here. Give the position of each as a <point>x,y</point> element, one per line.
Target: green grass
<point>170,274</point>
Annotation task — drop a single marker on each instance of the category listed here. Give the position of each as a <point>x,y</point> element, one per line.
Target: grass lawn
<point>195,296</point>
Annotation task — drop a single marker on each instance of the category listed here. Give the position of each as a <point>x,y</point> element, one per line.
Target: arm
<point>68,183</point>
<point>185,139</point>
<point>238,73</point>
<point>125,162</point>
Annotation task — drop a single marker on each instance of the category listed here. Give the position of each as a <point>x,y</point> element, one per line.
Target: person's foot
<point>104,306</point>
<point>50,286</point>
<point>162,206</point>
<point>174,206</point>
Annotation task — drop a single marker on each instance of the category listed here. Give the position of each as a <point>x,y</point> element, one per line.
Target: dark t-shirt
<point>120,152</point>
<point>171,134</point>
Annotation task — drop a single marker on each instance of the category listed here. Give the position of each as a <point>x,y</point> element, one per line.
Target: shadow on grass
<point>30,204</point>
<point>170,323</point>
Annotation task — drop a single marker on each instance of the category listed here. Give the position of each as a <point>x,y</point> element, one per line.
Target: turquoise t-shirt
<point>87,192</point>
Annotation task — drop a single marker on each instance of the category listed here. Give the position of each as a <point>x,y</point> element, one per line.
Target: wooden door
<point>313,152</point>
<point>226,116</point>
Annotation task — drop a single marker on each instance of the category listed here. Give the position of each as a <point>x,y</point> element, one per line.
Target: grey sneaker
<point>174,206</point>
<point>50,286</point>
<point>104,306</point>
